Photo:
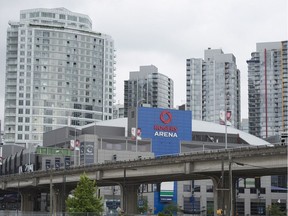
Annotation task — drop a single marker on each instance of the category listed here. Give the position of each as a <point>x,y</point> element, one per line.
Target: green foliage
<point>274,210</point>
<point>144,208</point>
<point>170,209</point>
<point>84,198</point>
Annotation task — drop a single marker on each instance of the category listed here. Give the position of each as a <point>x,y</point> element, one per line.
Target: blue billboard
<point>166,128</point>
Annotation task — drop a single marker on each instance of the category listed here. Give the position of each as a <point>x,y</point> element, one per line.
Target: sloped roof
<point>197,126</point>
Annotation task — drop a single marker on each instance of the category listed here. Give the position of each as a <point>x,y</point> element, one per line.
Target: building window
<point>278,184</point>
<point>209,188</point>
<point>34,14</point>
<point>210,208</point>
<point>23,16</point>
<point>186,188</point>
<point>72,18</point>
<point>257,208</point>
<point>240,208</point>
<point>19,136</point>
<point>197,188</point>
<point>46,14</point>
<point>192,205</point>
<point>62,16</point>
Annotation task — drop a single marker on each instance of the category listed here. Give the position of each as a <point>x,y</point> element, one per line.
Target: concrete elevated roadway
<point>230,164</point>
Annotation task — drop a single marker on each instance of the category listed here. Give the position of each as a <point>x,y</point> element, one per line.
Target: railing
<point>19,213</point>
<point>167,159</point>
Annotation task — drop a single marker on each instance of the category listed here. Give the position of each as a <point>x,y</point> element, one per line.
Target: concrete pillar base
<point>28,201</point>
<point>131,199</point>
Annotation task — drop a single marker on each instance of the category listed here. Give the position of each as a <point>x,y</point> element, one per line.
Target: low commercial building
<point>154,132</point>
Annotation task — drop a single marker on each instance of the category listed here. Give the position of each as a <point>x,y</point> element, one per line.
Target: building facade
<point>58,72</point>
<point>164,131</point>
<point>118,111</point>
<point>149,87</point>
<point>213,86</point>
<point>245,125</point>
<point>268,89</point>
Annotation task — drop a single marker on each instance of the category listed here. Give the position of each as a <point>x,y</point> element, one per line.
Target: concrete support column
<point>131,199</point>
<point>203,200</point>
<point>58,197</point>
<point>44,202</point>
<point>247,204</point>
<point>55,197</point>
<point>221,194</point>
<point>28,200</point>
<point>234,195</point>
<point>60,194</point>
<point>122,196</point>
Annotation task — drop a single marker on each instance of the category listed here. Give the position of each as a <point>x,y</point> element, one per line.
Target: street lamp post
<point>225,110</point>
<point>51,193</point>
<point>231,183</point>
<point>136,127</point>
<point>124,191</point>
<point>18,195</point>
<point>64,193</point>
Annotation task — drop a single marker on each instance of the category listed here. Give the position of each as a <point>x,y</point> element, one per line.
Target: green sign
<point>53,151</point>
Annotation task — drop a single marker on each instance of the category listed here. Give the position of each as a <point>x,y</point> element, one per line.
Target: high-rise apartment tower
<point>213,86</point>
<point>268,89</point>
<point>58,72</point>
<point>147,86</point>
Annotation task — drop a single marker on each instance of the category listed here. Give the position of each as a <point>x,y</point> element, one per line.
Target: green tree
<point>170,209</point>
<point>144,207</point>
<point>84,198</point>
<point>274,210</point>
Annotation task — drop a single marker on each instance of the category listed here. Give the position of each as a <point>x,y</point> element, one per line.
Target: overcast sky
<point>167,32</point>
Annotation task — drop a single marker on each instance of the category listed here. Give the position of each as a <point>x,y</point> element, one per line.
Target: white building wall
<point>56,71</point>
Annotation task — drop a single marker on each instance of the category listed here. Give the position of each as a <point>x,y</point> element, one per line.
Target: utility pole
<point>124,191</point>
<point>51,193</point>
<point>222,184</point>
<point>230,185</point>
<point>18,195</point>
<point>136,128</point>
<point>225,110</point>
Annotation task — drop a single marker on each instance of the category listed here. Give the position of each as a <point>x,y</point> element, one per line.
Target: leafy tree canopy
<point>170,209</point>
<point>144,207</point>
<point>84,198</point>
<point>274,210</point>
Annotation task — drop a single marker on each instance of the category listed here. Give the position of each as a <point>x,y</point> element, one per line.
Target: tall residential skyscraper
<point>268,89</point>
<point>58,71</point>
<point>213,85</point>
<point>149,87</point>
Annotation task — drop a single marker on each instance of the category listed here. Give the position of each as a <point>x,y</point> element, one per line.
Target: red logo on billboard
<point>166,117</point>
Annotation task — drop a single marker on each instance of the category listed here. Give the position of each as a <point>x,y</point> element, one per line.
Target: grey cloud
<point>166,32</point>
